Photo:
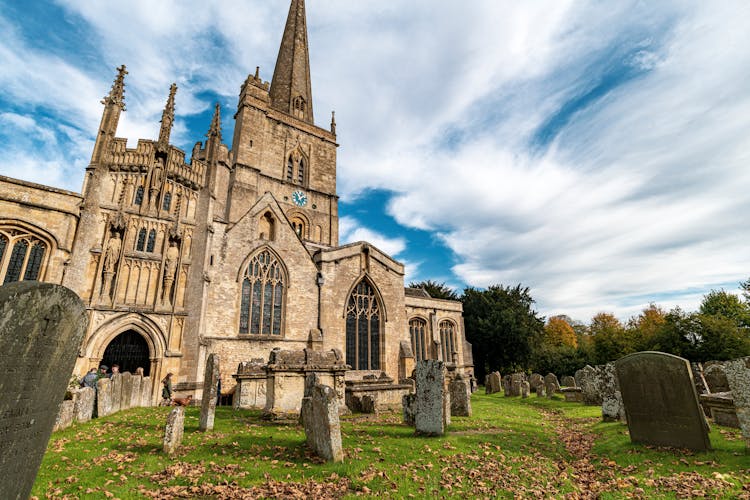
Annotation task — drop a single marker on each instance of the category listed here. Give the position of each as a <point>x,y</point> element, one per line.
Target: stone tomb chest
<point>286,372</point>
<point>251,385</point>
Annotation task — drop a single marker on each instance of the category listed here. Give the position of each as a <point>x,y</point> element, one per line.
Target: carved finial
<point>333,122</point>
<point>257,72</point>
<point>215,130</point>
<point>117,94</point>
<point>167,117</point>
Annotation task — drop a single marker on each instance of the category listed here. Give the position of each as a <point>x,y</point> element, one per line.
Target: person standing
<point>166,390</point>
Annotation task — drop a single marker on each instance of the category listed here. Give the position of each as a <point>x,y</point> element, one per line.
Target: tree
<point>610,339</point>
<point>435,289</point>
<point>644,327</point>
<point>558,332</point>
<point>727,305</point>
<point>745,286</point>
<point>502,327</point>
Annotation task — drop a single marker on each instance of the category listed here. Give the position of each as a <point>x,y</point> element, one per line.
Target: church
<point>235,252</point>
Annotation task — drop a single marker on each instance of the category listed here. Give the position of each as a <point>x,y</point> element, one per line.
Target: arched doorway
<point>130,351</point>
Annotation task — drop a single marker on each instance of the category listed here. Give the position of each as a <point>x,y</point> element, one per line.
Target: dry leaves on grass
<point>191,472</point>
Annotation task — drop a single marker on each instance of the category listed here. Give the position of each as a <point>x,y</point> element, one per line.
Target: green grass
<point>508,448</point>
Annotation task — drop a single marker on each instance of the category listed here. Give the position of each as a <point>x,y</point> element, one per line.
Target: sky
<point>596,152</point>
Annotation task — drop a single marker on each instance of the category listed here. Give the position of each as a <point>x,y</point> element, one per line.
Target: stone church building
<point>235,252</point>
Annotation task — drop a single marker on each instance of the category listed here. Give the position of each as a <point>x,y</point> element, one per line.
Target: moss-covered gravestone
<point>41,328</point>
<point>660,401</point>
<point>210,393</point>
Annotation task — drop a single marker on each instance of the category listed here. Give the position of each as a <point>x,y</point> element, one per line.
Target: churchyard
<point>511,446</point>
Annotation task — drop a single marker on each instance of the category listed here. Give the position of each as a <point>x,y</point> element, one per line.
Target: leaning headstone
<point>210,388</point>
<point>174,430</point>
<point>568,381</point>
<point>460,391</point>
<point>127,391</point>
<point>320,417</point>
<point>551,385</point>
<point>738,376</point>
<point>429,405</point>
<point>408,403</point>
<point>146,391</point>
<point>525,389</point>
<point>116,392</point>
<point>64,416</point>
<point>660,401</point>
<point>135,393</point>
<point>716,377</point>
<point>41,328</point>
<point>103,397</point>
<point>612,407</point>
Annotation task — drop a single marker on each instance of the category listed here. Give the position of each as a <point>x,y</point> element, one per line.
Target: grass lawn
<point>511,447</point>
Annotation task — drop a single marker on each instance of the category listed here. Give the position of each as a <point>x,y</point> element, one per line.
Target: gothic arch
<point>296,166</point>
<point>420,335</point>
<point>363,277</point>
<point>448,331</point>
<point>34,263</point>
<point>263,283</point>
<point>364,321</point>
<point>246,262</point>
<point>108,331</point>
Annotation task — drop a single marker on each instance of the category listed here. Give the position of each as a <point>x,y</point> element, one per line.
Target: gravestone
<point>210,388</point>
<point>493,383</point>
<point>103,397</point>
<point>429,406</point>
<point>572,394</point>
<point>64,415</point>
<point>612,407</point>
<point>568,381</point>
<point>83,409</point>
<point>507,386</point>
<point>525,389</point>
<point>551,385</point>
<point>174,429</point>
<point>127,391</point>
<point>535,381</point>
<point>587,379</point>
<point>135,394</point>
<point>541,391</point>
<point>515,383</point>
<point>408,403</point>
<point>116,390</point>
<point>320,417</point>
<point>660,401</point>
<point>460,395</point>
<point>41,328</point>
<point>146,392</point>
<point>716,377</point>
<point>738,377</point>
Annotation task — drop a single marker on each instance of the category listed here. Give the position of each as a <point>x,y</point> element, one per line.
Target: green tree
<point>435,289</point>
<point>727,305</point>
<point>644,327</point>
<point>502,327</point>
<point>609,338</point>
<point>745,286</point>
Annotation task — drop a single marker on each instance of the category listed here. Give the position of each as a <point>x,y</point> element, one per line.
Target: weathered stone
<point>408,410</point>
<point>525,389</point>
<point>369,403</point>
<point>572,394</point>
<point>174,429</point>
<point>612,407</point>
<point>135,393</point>
<point>551,385</point>
<point>83,408</point>
<point>460,392</point>
<point>429,406</point>
<point>146,388</point>
<point>493,383</point>
<point>535,381</point>
<point>116,392</point>
<point>64,415</point>
<point>516,380</point>
<point>380,391</point>
<point>320,417</point>
<point>507,386</point>
<point>568,381</point>
<point>104,397</point>
<point>587,378</point>
<point>127,391</point>
<point>210,388</point>
<point>660,401</point>
<point>541,391</point>
<point>716,377</point>
<point>738,376</point>
<point>41,328</point>
<point>250,392</point>
<point>721,408</point>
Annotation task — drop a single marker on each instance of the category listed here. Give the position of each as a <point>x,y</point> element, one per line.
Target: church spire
<point>291,91</point>
<point>114,104</point>
<point>214,136</point>
<point>167,118</point>
<point>117,94</point>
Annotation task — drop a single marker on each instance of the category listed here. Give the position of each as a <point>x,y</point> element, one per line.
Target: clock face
<point>299,198</point>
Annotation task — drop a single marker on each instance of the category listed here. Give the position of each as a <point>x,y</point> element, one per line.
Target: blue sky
<point>597,152</point>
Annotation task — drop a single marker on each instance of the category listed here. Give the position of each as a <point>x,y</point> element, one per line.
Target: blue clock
<point>299,198</point>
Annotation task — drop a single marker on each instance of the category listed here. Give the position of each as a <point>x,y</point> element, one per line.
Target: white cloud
<point>351,231</point>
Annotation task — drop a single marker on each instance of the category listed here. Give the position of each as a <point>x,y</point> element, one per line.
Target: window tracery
<point>22,255</point>
<point>447,340</point>
<point>141,243</point>
<point>262,301</point>
<point>418,333</point>
<point>363,328</point>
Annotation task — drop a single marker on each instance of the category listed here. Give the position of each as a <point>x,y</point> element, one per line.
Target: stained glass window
<point>138,195</point>
<point>26,259</point>
<point>417,330</point>
<point>447,340</point>
<point>3,244</point>
<point>34,264</point>
<point>262,301</point>
<point>16,261</point>
<point>363,328</point>
<point>141,243</point>
<point>151,240</point>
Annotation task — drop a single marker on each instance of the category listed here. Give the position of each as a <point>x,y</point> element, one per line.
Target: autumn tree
<point>435,289</point>
<point>502,327</point>
<point>644,327</point>
<point>558,332</point>
<point>609,338</point>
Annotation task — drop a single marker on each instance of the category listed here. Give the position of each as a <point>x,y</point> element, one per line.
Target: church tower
<point>277,148</point>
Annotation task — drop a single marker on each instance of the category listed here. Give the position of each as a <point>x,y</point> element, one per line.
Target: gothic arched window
<point>21,256</point>
<point>447,340</point>
<point>363,328</point>
<point>141,243</point>
<point>138,196</point>
<point>262,302</point>
<point>417,331</point>
<point>167,203</point>
<point>299,227</point>
<point>290,169</point>
<point>151,240</point>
